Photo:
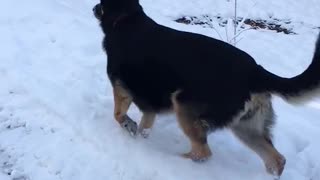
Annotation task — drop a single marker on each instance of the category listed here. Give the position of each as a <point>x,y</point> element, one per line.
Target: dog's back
<point>163,60</point>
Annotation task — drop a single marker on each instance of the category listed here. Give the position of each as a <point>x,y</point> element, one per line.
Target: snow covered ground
<point>56,104</point>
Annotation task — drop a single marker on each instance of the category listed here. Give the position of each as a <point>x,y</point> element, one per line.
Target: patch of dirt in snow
<point>272,24</point>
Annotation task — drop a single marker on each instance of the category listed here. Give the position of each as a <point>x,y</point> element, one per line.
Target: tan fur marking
<point>147,121</point>
<point>122,101</point>
<point>196,134</point>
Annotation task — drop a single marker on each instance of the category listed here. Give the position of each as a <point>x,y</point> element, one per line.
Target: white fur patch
<point>261,105</point>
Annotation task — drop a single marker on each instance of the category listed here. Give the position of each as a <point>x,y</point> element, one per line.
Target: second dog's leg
<point>122,101</point>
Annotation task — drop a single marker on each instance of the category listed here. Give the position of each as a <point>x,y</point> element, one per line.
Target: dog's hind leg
<point>193,129</point>
<point>146,123</point>
<point>254,131</point>
<point>122,101</point>
<point>262,145</point>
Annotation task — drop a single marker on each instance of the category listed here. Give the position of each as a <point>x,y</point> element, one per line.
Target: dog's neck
<point>115,20</point>
<point>120,18</point>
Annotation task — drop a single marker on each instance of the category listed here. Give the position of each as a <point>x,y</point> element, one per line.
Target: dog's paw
<point>276,167</point>
<point>129,125</point>
<point>144,132</point>
<point>196,157</point>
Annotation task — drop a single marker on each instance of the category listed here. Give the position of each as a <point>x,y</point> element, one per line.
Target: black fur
<point>297,86</point>
<point>153,61</point>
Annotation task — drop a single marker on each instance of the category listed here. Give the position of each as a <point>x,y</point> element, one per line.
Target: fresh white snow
<point>56,105</point>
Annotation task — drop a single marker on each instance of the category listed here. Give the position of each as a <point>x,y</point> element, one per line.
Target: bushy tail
<point>298,89</point>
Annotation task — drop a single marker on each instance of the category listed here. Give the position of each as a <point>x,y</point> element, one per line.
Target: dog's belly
<point>156,103</point>
<point>151,90</point>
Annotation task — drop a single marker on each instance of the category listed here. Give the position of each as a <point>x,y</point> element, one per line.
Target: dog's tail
<point>296,90</point>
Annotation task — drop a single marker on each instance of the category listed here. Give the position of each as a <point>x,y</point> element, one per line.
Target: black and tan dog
<point>209,84</point>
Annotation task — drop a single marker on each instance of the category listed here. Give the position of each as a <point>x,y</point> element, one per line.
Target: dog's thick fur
<point>208,83</point>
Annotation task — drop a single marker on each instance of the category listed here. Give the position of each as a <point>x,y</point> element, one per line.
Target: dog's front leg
<point>122,101</point>
<point>146,123</point>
